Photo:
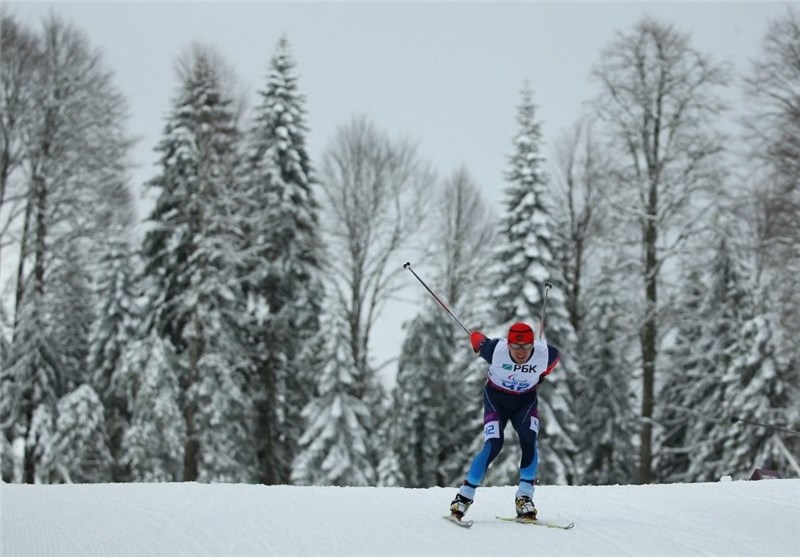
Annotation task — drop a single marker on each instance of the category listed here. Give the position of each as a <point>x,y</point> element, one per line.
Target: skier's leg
<point>526,423</point>
<point>494,422</point>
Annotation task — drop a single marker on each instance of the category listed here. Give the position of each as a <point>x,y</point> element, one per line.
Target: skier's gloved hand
<point>476,339</point>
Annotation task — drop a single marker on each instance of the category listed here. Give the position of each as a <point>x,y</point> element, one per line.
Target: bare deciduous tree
<point>773,126</point>
<point>581,181</point>
<point>374,204</point>
<point>658,98</point>
<point>72,148</point>
<point>375,190</point>
<point>20,54</point>
<point>464,237</point>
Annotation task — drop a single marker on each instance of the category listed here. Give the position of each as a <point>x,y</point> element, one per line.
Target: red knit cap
<point>520,332</point>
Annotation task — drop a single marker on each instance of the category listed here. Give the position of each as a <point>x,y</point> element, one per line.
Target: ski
<point>537,521</point>
<point>454,520</point>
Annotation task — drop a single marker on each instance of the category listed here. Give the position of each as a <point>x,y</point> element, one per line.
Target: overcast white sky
<point>447,75</point>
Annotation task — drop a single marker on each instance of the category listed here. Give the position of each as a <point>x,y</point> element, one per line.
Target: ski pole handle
<point>435,297</point>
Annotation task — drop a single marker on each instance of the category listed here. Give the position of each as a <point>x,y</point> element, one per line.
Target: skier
<point>517,364</point>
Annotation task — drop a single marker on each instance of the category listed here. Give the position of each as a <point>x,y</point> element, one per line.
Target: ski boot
<point>459,506</point>
<point>525,508</point>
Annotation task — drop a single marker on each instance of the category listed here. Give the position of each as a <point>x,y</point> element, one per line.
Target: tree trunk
<point>40,199</point>
<point>191,453</point>
<point>268,415</point>
<point>29,465</point>
<point>649,341</point>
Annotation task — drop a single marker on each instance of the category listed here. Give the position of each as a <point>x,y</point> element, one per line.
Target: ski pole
<point>435,297</point>
<point>547,287</point>
<point>735,419</point>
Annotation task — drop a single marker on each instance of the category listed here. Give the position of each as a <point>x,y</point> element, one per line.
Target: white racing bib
<point>505,373</point>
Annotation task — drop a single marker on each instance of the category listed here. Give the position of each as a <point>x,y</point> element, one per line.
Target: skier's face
<point>520,351</point>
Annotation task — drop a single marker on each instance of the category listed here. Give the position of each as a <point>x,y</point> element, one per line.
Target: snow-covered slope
<point>720,519</point>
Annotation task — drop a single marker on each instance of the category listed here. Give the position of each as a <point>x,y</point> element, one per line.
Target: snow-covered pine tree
<point>726,305</point>
<point>422,398</point>
<point>523,263</point>
<point>604,400</point>
<point>192,256</point>
<point>70,309</point>
<point>31,384</point>
<point>762,386</point>
<point>773,204</point>
<point>223,421</point>
<point>153,444</point>
<point>54,369</point>
<point>117,324</point>
<point>687,366</point>
<point>7,467</point>
<point>438,404</point>
<point>283,284</point>
<point>79,452</point>
<point>334,449</point>
<point>389,473</point>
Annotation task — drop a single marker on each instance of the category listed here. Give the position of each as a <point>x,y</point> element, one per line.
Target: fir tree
<point>688,366</point>
<point>153,445</point>
<point>79,452</point>
<point>707,343</point>
<point>70,308</point>
<point>226,457</point>
<point>423,397</point>
<point>192,263</point>
<point>449,382</point>
<point>32,384</point>
<point>115,327</point>
<point>7,461</point>
<point>604,400</point>
<point>283,286</point>
<point>47,357</point>
<point>728,305</point>
<point>333,449</point>
<point>39,444</point>
<point>761,386</point>
<point>67,309</point>
<point>524,263</point>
